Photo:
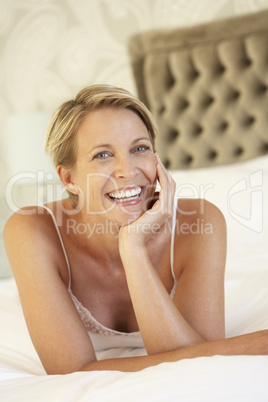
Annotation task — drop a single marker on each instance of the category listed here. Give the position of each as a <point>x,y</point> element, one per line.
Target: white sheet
<point>218,378</point>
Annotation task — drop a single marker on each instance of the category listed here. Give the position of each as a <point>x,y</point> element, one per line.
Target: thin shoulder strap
<point>173,238</point>
<point>61,241</point>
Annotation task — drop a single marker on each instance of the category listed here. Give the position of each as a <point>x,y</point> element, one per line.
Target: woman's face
<point>115,166</point>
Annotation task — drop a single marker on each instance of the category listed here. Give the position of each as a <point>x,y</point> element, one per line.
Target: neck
<point>96,235</point>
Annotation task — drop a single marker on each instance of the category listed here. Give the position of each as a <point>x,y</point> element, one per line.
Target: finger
<point>162,167</point>
<point>163,184</point>
<point>165,172</point>
<point>168,187</point>
<point>165,193</point>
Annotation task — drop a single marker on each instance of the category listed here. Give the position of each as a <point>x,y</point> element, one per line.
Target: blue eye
<point>141,148</point>
<point>101,155</point>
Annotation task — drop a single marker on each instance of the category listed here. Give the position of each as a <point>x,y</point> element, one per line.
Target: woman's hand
<point>162,326</point>
<point>151,221</point>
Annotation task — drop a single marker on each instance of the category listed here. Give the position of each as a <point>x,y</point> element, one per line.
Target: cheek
<point>150,172</point>
<point>99,184</point>
<point>150,169</point>
<point>94,186</point>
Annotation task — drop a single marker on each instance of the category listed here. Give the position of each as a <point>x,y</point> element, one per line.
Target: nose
<point>125,167</point>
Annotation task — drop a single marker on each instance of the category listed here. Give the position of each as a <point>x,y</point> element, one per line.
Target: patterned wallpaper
<point>49,49</point>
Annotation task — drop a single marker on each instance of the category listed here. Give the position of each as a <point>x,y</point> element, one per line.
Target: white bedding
<point>244,378</point>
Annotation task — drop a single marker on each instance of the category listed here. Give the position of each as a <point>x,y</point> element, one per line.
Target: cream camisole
<point>103,337</point>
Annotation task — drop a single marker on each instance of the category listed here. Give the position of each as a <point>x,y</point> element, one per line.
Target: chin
<point>126,219</point>
<point>131,220</point>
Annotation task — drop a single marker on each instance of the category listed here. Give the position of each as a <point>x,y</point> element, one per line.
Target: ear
<point>66,178</point>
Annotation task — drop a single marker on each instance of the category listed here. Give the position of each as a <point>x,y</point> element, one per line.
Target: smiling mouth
<point>130,194</point>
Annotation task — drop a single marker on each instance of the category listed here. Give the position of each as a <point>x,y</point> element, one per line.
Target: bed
<point>213,137</point>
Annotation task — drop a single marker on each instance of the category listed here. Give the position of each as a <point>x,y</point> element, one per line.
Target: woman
<point>118,264</point>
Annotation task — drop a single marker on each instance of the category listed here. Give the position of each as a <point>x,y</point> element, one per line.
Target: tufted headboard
<point>207,87</point>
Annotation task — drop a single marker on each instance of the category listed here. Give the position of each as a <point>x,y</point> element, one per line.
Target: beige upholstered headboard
<point>207,87</point>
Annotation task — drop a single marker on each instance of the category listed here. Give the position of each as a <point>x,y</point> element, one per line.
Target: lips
<point>125,194</point>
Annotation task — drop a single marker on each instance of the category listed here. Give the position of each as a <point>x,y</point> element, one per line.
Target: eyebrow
<point>110,145</point>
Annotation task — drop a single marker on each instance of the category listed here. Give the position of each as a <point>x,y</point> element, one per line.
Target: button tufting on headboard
<point>207,89</point>
<point>187,159</point>
<point>250,120</point>
<point>212,155</point>
<point>238,151</point>
<point>173,135</point>
<point>195,74</point>
<point>197,131</point>
<point>247,63</point>
<point>221,69</point>
<point>166,163</point>
<point>261,89</point>
<point>236,94</point>
<point>223,126</point>
<point>264,148</point>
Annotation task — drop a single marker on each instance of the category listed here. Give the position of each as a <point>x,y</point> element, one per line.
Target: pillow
<point>240,191</point>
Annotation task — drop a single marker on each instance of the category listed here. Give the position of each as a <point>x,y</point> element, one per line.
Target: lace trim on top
<point>92,325</point>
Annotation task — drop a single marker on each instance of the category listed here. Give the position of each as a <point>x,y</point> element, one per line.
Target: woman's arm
<point>56,330</point>
<point>162,326</point>
<point>202,252</point>
<point>161,322</point>
<point>255,343</point>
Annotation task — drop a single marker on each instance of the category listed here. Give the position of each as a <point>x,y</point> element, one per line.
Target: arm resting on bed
<point>255,343</point>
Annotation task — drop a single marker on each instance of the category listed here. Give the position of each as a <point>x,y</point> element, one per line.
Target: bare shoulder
<point>200,231</point>
<point>199,211</point>
<point>29,234</point>
<point>28,221</point>
<point>37,262</point>
<point>26,216</point>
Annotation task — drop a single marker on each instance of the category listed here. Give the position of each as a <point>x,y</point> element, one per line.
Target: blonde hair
<point>60,141</point>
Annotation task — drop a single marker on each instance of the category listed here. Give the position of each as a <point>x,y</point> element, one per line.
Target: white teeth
<point>126,194</point>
